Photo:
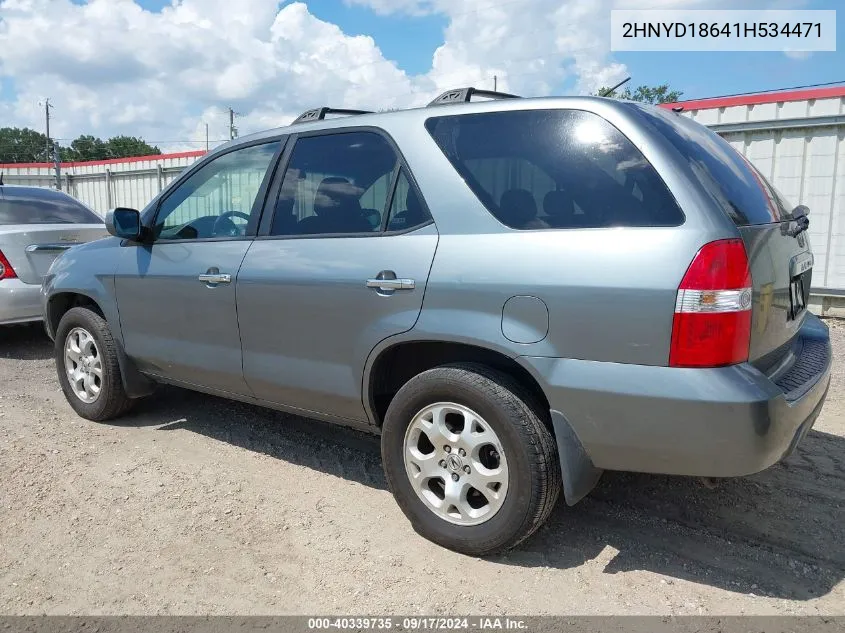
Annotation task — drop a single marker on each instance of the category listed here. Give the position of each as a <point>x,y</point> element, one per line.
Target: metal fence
<point>102,185</point>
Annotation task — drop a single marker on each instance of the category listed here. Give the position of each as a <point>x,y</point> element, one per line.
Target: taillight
<point>6,270</point>
<point>712,324</point>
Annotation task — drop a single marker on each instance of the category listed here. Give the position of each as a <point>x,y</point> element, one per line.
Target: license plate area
<point>799,292</point>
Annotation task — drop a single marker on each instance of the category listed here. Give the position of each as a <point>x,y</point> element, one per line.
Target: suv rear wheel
<point>88,368</point>
<point>469,459</point>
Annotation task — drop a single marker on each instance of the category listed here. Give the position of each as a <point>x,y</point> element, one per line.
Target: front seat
<point>337,209</point>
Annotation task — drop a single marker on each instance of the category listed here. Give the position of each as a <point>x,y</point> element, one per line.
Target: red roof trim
<point>763,97</point>
<point>110,161</point>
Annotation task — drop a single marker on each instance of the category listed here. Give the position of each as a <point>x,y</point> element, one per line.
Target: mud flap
<point>579,474</point>
<point>135,384</point>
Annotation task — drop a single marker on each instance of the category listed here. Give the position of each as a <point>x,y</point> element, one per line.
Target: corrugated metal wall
<point>798,146</point>
<point>106,184</point>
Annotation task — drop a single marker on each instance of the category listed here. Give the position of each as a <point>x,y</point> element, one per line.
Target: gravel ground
<point>197,505</point>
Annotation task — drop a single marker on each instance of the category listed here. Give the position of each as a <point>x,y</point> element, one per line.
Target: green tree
<point>646,94</point>
<point>123,146</point>
<point>22,145</point>
<point>86,147</point>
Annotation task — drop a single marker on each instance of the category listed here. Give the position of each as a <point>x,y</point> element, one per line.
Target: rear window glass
<point>737,186</point>
<point>554,169</point>
<point>47,207</point>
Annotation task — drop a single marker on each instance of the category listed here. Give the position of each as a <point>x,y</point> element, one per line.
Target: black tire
<point>534,481</point>
<point>112,400</point>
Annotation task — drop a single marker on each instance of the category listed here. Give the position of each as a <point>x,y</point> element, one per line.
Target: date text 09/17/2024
<point>419,623</point>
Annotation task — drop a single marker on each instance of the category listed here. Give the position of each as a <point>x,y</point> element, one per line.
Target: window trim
<point>269,211</point>
<point>257,205</point>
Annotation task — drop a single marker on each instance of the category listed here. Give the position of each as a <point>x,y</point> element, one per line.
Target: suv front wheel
<point>88,367</point>
<point>469,459</point>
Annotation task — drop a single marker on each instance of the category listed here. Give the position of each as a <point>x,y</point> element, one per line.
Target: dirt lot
<point>197,505</point>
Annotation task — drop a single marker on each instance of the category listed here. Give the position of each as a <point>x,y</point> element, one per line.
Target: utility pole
<point>47,107</point>
<point>57,163</point>
<point>233,131</point>
<point>495,83</point>
<point>206,138</point>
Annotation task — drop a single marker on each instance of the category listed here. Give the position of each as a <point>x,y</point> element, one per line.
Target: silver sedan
<point>36,225</point>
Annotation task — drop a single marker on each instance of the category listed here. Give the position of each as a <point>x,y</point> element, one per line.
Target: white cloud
<point>798,55</point>
<point>111,67</point>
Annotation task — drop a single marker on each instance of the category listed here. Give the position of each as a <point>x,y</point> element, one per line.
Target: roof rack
<point>318,114</point>
<point>464,95</point>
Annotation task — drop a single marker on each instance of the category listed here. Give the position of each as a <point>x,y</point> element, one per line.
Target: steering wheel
<point>223,225</point>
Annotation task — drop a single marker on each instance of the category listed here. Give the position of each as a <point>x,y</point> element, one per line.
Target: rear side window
<point>554,169</point>
<point>736,185</point>
<point>335,184</point>
<point>44,207</point>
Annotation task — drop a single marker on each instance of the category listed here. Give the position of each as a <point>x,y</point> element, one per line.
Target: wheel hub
<point>83,365</point>
<point>455,463</point>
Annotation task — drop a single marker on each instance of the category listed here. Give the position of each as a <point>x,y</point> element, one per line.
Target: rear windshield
<point>554,169</point>
<point>47,207</point>
<point>737,186</point>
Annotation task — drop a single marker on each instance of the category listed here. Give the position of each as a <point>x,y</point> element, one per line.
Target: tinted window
<point>406,210</point>
<point>43,207</point>
<point>555,169</point>
<point>338,183</point>
<point>218,199</point>
<point>737,186</point>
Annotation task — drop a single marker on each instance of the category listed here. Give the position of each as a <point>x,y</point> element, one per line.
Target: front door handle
<point>391,284</point>
<point>215,278</point>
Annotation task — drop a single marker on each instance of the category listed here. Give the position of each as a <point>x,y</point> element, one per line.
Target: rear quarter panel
<point>610,292</point>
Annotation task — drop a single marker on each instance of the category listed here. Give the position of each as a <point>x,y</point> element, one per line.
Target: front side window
<point>335,184</point>
<point>219,199</point>
<point>554,169</point>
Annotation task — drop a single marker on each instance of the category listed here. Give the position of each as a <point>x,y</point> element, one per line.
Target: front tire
<point>469,459</point>
<point>88,367</point>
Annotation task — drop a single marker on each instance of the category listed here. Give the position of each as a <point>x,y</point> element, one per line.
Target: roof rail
<point>464,95</point>
<point>318,114</point>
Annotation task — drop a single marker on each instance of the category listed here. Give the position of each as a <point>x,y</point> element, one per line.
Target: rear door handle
<point>391,284</point>
<point>215,278</point>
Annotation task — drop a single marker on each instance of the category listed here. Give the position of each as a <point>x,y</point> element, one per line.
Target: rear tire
<point>88,367</point>
<point>419,481</point>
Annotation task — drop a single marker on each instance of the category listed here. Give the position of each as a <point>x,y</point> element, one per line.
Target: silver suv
<point>516,293</point>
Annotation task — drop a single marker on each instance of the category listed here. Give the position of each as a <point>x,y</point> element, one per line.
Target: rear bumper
<point>720,422</point>
<point>19,302</point>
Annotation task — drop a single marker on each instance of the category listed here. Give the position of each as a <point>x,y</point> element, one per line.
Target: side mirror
<point>124,223</point>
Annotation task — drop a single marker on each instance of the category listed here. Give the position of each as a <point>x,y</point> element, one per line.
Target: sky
<point>163,69</point>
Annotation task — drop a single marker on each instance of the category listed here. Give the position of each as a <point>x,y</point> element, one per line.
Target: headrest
<point>517,207</point>
<point>558,204</point>
<point>336,195</point>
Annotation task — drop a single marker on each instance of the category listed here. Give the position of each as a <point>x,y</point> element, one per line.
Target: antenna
<point>609,91</point>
